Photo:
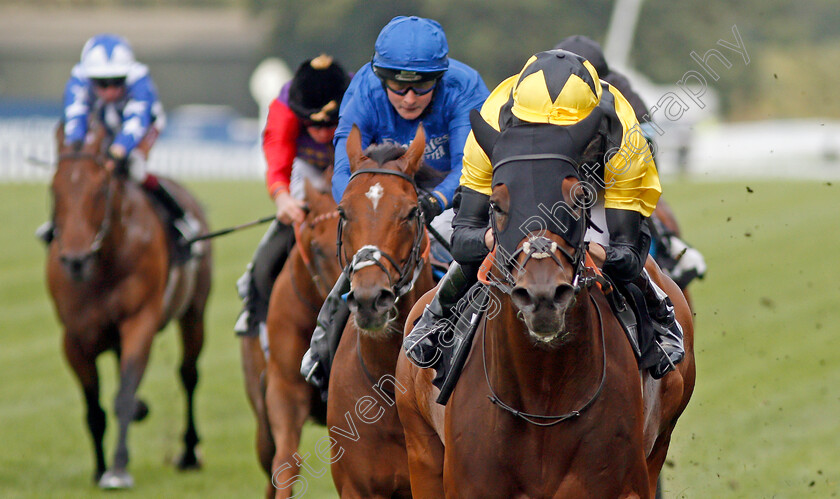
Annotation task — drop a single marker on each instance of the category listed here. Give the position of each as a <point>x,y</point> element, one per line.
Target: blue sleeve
<point>354,110</point>
<point>471,96</point>
<point>77,97</point>
<point>137,114</point>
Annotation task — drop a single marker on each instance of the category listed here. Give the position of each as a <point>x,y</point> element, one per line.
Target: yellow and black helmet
<point>556,87</point>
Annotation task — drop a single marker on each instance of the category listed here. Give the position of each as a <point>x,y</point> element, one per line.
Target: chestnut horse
<point>280,397</point>
<point>551,402</point>
<point>113,288</point>
<point>383,239</point>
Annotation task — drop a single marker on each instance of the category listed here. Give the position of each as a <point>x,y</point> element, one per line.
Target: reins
<point>540,419</point>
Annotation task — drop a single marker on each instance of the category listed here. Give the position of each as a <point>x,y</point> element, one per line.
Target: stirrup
<point>419,343</point>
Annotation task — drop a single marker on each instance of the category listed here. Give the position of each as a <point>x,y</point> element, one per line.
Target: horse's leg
<point>136,334</point>
<point>423,445</point>
<point>84,366</point>
<point>287,399</point>
<point>253,370</point>
<point>192,340</point>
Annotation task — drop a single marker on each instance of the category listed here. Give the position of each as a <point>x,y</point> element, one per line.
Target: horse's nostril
<point>385,300</point>
<point>564,295</point>
<point>521,297</point>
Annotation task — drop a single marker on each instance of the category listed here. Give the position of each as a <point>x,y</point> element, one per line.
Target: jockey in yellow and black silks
<point>561,89</point>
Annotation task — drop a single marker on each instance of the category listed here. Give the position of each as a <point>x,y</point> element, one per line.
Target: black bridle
<point>371,255</point>
<point>105,225</point>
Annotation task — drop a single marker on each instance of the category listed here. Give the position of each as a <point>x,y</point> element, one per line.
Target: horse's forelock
<point>383,153</point>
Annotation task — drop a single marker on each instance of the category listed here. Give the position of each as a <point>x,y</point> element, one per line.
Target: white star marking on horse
<point>375,194</point>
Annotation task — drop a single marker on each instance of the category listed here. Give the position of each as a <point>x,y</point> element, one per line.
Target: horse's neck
<point>573,368</point>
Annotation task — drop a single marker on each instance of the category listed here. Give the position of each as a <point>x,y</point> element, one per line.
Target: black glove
<point>430,207</point>
<point>120,163</point>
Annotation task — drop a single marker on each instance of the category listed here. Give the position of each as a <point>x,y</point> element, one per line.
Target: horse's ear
<point>483,132</point>
<point>59,136</point>
<point>354,148</point>
<point>414,155</point>
<point>96,136</point>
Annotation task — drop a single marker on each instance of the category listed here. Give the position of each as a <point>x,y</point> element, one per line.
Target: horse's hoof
<point>189,461</point>
<point>114,480</point>
<point>141,410</point>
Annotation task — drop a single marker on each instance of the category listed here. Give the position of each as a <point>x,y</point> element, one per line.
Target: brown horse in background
<point>113,288</point>
<point>551,402</point>
<point>280,397</point>
<point>383,239</point>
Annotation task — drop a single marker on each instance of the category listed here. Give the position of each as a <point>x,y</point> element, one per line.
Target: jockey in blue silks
<point>411,80</point>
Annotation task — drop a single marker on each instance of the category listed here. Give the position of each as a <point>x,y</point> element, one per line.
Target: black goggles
<point>109,82</point>
<point>402,88</point>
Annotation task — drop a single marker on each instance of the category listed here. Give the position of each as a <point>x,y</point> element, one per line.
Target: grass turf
<point>763,421</point>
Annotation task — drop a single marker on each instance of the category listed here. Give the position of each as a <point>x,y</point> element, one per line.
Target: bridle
<point>371,255</point>
<point>105,225</point>
<point>309,262</point>
<point>540,247</point>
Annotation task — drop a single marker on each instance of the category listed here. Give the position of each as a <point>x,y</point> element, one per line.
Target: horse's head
<point>83,197</point>
<point>381,228</point>
<point>538,219</point>
<point>317,236</point>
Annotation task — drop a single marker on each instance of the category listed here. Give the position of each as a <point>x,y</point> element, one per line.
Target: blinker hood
<point>532,160</point>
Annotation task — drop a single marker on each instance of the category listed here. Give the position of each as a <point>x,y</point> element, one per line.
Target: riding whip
<point>232,229</point>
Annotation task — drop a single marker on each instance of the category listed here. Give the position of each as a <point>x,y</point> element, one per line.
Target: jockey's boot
<point>46,232</point>
<point>421,344</point>
<point>254,287</point>
<point>669,333</point>
<point>317,361</point>
<point>184,222</point>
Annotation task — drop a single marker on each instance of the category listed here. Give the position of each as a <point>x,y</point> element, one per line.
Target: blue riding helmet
<point>411,49</point>
<point>106,56</point>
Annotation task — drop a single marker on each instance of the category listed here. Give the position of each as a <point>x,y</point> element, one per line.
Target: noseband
<point>371,255</point>
<point>538,248</point>
<point>105,226</point>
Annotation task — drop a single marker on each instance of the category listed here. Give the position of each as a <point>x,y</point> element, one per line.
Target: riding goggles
<point>109,82</point>
<point>402,88</point>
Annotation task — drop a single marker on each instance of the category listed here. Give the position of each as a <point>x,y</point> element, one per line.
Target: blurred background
<point>218,62</point>
<point>750,165</point>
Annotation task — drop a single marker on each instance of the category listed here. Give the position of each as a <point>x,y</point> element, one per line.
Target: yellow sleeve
<point>631,178</point>
<point>477,172</point>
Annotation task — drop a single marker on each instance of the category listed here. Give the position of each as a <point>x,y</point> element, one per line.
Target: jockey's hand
<point>289,209</point>
<point>489,239</point>
<point>117,159</point>
<point>598,254</point>
<point>430,207</point>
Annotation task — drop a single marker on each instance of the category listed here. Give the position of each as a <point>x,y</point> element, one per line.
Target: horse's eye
<point>497,209</point>
<point>415,211</point>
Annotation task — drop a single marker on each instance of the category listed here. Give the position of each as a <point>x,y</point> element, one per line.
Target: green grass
<point>763,421</point>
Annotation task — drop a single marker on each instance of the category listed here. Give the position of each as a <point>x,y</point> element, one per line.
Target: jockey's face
<point>409,106</point>
<point>109,89</point>
<point>321,134</point>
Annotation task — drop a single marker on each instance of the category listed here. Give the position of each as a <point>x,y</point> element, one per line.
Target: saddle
<point>179,253</point>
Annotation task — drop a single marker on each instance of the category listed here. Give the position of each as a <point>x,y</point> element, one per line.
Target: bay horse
<point>113,288</point>
<point>551,401</point>
<point>383,239</point>
<point>280,398</point>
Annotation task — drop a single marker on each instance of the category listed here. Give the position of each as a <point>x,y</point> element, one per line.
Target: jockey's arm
<point>624,258</point>
<point>137,114</point>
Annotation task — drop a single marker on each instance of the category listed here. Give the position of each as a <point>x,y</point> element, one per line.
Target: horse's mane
<point>382,153</point>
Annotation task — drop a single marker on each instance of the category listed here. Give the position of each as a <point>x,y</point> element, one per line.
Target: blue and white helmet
<point>411,49</point>
<point>106,56</point>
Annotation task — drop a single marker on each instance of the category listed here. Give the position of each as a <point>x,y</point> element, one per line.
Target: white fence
<point>797,149</point>
<point>27,151</point>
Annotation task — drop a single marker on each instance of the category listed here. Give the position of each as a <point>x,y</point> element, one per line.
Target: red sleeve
<point>279,146</point>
